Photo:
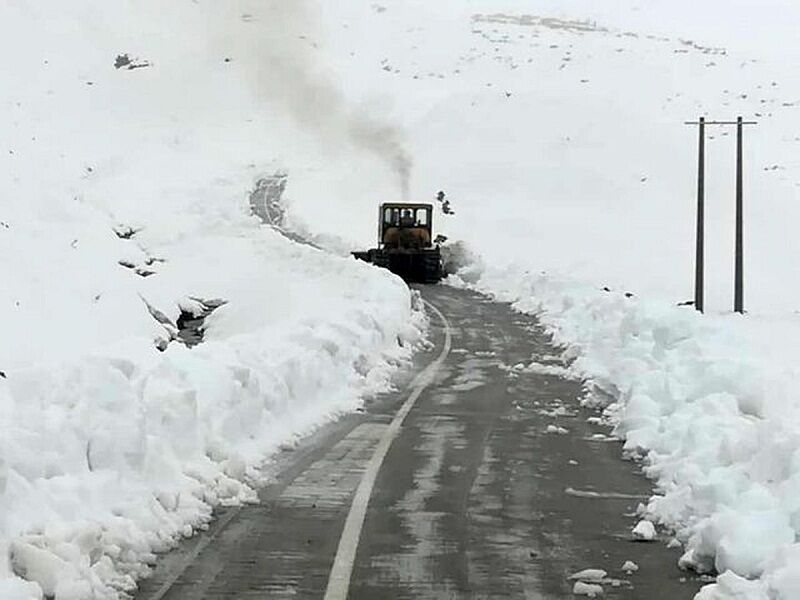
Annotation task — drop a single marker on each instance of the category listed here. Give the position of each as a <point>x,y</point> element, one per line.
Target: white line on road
<point>342,570</point>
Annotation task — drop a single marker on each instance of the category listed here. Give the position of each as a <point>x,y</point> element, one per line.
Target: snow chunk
<point>644,531</point>
<point>589,575</point>
<point>536,368</point>
<point>41,566</point>
<point>590,590</point>
<point>630,567</point>
<point>730,586</point>
<point>19,589</point>
<point>556,429</point>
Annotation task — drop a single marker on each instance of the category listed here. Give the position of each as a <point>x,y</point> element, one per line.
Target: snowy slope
<point>132,133</point>
<point>557,129</point>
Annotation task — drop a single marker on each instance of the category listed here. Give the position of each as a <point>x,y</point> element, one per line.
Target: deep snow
<point>556,128</point>
<point>127,188</point>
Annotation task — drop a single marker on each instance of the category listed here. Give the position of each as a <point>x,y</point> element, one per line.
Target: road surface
<point>451,487</point>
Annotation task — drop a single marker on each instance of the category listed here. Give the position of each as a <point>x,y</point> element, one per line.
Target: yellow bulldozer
<point>405,243</point>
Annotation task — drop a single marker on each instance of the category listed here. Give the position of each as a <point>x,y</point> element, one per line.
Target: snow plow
<point>405,243</point>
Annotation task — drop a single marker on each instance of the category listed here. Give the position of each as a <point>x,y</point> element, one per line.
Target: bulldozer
<point>405,243</point>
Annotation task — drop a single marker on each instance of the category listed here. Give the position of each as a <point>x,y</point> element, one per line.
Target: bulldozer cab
<point>404,243</point>
<point>406,226</point>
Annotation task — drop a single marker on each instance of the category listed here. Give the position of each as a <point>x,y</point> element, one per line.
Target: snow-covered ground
<point>124,188</point>
<point>556,127</point>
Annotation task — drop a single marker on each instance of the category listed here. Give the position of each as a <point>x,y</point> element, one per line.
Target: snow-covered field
<point>555,127</point>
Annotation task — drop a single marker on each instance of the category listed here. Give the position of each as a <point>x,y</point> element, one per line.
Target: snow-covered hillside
<point>557,130</point>
<point>132,133</point>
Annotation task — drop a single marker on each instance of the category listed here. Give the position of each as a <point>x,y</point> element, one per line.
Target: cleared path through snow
<point>458,488</point>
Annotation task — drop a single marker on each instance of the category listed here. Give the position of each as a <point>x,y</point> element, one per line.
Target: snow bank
<point>709,404</point>
<point>110,456</point>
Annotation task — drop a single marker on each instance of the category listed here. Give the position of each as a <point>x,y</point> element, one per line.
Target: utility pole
<point>699,265</point>
<point>738,286</point>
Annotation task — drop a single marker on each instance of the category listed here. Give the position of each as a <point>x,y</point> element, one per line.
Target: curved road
<point>451,487</point>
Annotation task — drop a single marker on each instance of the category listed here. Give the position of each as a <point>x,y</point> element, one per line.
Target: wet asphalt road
<point>474,499</point>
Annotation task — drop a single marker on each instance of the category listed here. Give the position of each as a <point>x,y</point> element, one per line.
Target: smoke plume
<point>284,59</point>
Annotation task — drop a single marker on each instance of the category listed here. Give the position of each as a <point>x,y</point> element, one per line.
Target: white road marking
<point>342,570</point>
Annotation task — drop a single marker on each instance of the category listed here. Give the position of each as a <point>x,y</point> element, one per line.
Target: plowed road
<point>451,487</point>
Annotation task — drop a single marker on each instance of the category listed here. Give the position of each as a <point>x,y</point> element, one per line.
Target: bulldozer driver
<point>407,219</point>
